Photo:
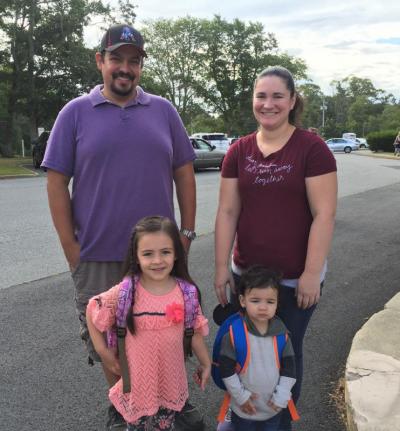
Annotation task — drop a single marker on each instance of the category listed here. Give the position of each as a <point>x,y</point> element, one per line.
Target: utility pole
<point>323,109</point>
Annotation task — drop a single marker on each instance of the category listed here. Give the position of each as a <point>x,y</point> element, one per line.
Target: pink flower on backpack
<point>175,312</point>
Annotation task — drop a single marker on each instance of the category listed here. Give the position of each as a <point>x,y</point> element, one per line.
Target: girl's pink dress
<point>155,353</point>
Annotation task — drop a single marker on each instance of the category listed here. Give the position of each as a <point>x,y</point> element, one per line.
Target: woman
<point>278,198</point>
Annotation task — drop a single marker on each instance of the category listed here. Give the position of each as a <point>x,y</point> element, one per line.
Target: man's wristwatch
<point>190,234</point>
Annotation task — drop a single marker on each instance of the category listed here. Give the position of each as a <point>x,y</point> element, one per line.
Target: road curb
<point>369,153</point>
<point>372,375</point>
<point>13,177</point>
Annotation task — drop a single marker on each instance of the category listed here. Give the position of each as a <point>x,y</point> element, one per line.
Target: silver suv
<point>341,144</point>
<point>219,140</point>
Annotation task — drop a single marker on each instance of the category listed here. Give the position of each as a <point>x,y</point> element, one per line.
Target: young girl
<point>154,339</point>
<point>259,394</point>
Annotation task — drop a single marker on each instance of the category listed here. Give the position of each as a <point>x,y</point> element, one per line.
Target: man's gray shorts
<point>90,279</point>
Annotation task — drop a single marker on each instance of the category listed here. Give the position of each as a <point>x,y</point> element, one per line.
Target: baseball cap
<point>122,34</point>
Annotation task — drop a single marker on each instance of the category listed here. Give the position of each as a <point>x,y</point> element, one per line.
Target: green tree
<point>234,55</point>
<point>173,47</point>
<point>49,62</point>
<point>390,118</point>
<point>204,122</point>
<point>356,87</point>
<point>313,102</point>
<point>211,65</point>
<point>357,105</point>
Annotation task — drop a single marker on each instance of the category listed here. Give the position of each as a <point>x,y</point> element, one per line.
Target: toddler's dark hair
<point>258,276</point>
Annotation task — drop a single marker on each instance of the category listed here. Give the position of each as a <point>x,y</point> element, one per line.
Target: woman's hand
<point>223,277</point>
<point>308,290</point>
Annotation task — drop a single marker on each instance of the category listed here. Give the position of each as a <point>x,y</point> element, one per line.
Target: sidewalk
<point>372,377</point>
<point>378,155</point>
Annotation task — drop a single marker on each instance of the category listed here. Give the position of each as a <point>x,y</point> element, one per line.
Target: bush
<point>382,141</point>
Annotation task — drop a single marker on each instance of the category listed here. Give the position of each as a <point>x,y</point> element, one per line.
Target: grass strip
<point>13,166</point>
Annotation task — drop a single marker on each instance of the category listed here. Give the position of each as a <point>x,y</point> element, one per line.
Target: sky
<point>335,38</point>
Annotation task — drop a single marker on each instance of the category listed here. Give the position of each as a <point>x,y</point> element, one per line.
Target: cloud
<point>336,39</point>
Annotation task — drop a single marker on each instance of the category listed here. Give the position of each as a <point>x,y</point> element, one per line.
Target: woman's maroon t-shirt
<point>275,218</point>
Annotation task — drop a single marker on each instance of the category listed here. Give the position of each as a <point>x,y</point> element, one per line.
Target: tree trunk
<point>6,149</point>
<point>32,99</point>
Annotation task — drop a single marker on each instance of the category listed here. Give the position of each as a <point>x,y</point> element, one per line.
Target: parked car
<point>349,135</point>
<point>219,140</point>
<point>232,140</point>
<point>362,142</point>
<point>341,144</point>
<point>207,156</point>
<point>38,149</point>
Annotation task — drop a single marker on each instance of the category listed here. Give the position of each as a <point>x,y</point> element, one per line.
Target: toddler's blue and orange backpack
<point>236,326</point>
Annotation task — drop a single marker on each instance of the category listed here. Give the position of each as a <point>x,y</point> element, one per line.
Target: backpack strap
<point>191,304</point>
<point>239,339</point>
<point>116,336</point>
<point>279,344</point>
<point>124,303</point>
<point>224,407</point>
<point>239,336</point>
<point>293,410</point>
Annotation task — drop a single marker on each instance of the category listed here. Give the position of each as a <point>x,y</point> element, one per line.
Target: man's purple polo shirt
<point>122,162</point>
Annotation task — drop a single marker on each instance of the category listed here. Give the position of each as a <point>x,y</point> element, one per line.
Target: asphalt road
<point>29,249</point>
<point>46,385</point>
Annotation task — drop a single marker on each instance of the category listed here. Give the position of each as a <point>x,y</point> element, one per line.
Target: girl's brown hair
<point>131,267</point>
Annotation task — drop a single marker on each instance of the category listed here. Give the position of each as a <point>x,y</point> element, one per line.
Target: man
<point>124,149</point>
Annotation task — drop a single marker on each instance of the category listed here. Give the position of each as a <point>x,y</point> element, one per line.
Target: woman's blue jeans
<point>296,321</point>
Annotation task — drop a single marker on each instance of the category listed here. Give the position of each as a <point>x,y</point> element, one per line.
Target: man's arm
<point>185,184</point>
<point>61,213</point>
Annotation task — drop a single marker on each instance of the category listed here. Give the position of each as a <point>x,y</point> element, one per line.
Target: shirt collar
<point>96,97</point>
<point>275,327</point>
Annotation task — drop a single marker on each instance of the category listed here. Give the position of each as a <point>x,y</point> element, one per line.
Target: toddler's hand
<point>274,406</point>
<point>248,407</point>
<point>110,361</point>
<point>202,375</point>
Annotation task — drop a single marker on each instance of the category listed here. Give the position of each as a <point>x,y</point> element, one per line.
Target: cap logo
<point>127,35</point>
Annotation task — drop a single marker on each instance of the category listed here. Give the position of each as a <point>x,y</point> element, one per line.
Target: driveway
<point>29,248</point>
<point>45,382</point>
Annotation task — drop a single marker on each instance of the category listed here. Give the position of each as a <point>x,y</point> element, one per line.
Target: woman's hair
<point>286,76</point>
<point>259,277</point>
<point>131,267</point>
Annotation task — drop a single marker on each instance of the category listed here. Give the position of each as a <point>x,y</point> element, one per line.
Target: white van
<point>351,136</point>
<point>219,140</point>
